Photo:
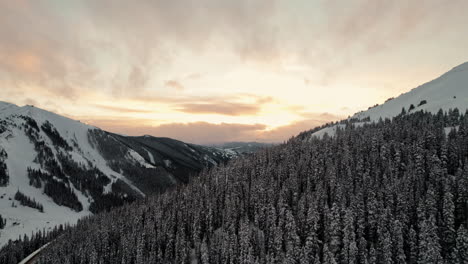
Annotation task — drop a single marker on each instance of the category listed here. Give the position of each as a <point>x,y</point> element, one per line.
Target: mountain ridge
<point>73,169</point>
<point>448,91</point>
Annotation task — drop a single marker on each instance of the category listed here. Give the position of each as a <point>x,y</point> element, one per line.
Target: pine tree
<point>462,245</point>
<point>448,225</point>
<point>413,246</point>
<point>334,230</point>
<point>385,247</point>
<point>328,257</point>
<point>429,247</point>
<point>204,253</point>
<point>398,243</point>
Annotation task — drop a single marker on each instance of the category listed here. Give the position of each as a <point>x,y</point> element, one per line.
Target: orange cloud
<point>174,84</point>
<point>122,109</point>
<point>221,108</point>
<point>26,61</point>
<point>209,133</point>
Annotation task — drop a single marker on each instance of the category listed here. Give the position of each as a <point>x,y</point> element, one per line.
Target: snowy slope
<point>449,91</point>
<point>100,169</point>
<point>21,155</point>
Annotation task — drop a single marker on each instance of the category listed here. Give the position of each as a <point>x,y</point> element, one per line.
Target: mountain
<point>239,148</point>
<point>376,192</point>
<point>449,91</point>
<point>393,191</point>
<point>60,169</point>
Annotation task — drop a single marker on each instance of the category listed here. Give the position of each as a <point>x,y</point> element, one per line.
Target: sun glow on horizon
<point>155,67</point>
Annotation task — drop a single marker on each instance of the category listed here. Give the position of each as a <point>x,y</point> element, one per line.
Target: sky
<point>212,71</point>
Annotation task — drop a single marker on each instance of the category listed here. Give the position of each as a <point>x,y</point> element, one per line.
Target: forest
<point>394,191</point>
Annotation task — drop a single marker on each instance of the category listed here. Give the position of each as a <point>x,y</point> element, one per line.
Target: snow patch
<point>139,159</point>
<point>151,157</point>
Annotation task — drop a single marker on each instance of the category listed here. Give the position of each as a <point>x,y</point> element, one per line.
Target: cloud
<point>65,51</point>
<point>38,48</point>
<point>137,78</point>
<point>174,84</point>
<point>65,47</point>
<point>367,26</point>
<point>229,104</point>
<point>209,133</point>
<point>193,76</point>
<point>222,108</point>
<point>122,109</point>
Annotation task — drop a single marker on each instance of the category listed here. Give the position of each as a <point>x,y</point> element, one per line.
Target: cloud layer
<point>230,69</point>
<point>209,133</point>
<point>62,46</point>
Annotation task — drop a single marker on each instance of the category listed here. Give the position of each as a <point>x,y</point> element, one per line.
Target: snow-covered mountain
<point>449,91</point>
<point>67,169</point>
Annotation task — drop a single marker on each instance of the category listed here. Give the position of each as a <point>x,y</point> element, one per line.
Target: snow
<point>21,154</point>
<point>331,130</point>
<point>167,163</point>
<point>229,151</point>
<point>449,91</point>
<point>447,130</point>
<point>139,159</point>
<point>151,157</point>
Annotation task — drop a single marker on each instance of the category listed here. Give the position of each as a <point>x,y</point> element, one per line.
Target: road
<point>33,256</point>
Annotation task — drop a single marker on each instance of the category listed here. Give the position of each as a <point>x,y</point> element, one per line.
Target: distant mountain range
<point>242,147</point>
<point>70,169</point>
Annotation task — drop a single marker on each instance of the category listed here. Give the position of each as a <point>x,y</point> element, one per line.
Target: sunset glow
<point>242,70</point>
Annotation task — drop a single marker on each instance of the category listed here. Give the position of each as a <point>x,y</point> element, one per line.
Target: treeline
<point>55,136</point>
<point>60,192</point>
<point>26,201</point>
<point>93,181</point>
<point>395,191</point>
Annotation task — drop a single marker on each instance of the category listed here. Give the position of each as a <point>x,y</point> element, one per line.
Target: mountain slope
<point>387,192</point>
<point>449,91</point>
<point>72,169</point>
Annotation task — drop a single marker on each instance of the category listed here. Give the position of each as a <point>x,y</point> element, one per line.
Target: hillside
<point>67,169</point>
<point>377,191</point>
<point>448,91</point>
<point>386,192</point>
